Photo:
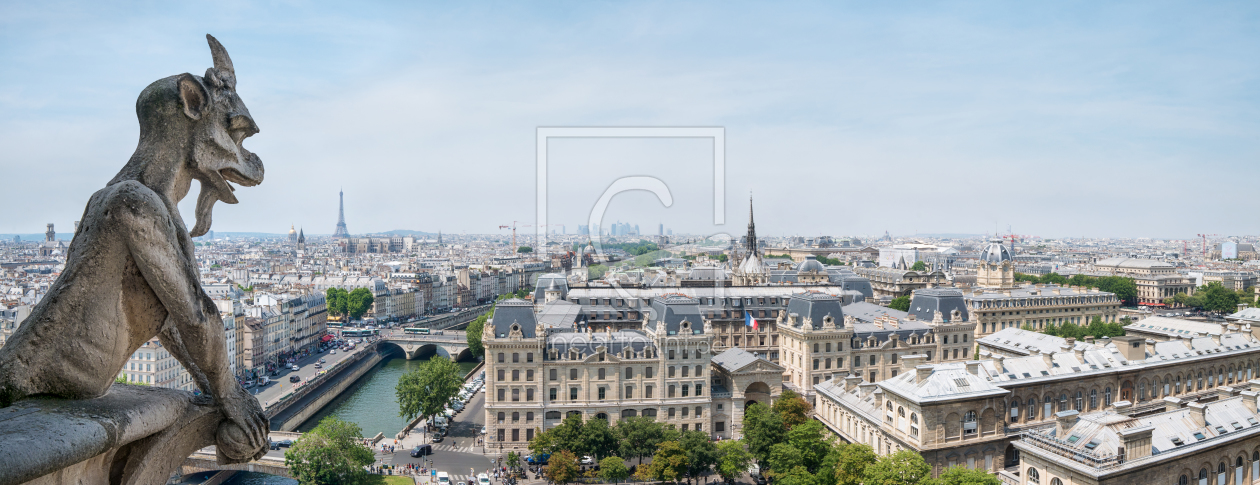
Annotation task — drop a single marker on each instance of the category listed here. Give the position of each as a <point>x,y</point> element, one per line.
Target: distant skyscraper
<point>660,231</point>
<point>341,231</point>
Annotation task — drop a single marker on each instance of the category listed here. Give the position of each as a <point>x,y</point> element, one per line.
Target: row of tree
<point>1213,297</point>
<point>1096,328</point>
<point>1123,287</point>
<point>788,446</point>
<point>353,303</point>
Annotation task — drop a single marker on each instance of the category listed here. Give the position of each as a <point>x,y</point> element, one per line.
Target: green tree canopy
<point>330,454</point>
<point>596,271</point>
<point>918,266</point>
<point>733,459</point>
<point>599,439</point>
<point>852,461</point>
<point>904,467</point>
<point>358,302</point>
<point>702,454</point>
<point>472,334</point>
<point>900,303</point>
<point>335,300</point>
<point>613,469</point>
<point>961,475</point>
<point>525,249</point>
<point>562,467</point>
<point>763,428</point>
<point>428,389</point>
<point>1217,298</point>
<point>640,435</point>
<point>669,464</point>
<point>792,408</point>
<point>830,261</point>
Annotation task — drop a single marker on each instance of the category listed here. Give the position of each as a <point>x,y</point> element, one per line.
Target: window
<point>516,416</point>
<point>698,413</point>
<point>815,364</point>
<point>1033,476</point>
<point>647,392</point>
<point>684,370</point>
<point>698,388</point>
<point>502,394</point>
<point>502,374</point>
<point>601,373</point>
<point>553,374</point>
<point>671,391</point>
<point>516,358</point>
<point>684,413</point>
<point>573,393</point>
<point>685,388</point>
<point>1220,474</point>
<point>516,394</point>
<point>572,373</point>
<point>553,415</point>
<point>500,357</point>
<point>553,392</point>
<point>529,357</point>
<point>1107,397</point>
<point>529,375</point>
<point>647,372</point>
<point>601,393</point>
<point>815,347</point>
<point>516,375</point>
<point>671,354</point>
<point>1078,401</point>
<point>969,423</point>
<point>719,426</point>
<point>529,394</point>
<point>872,362</point>
<point>629,373</point>
<point>699,371</point>
<point>670,413</point>
<point>629,392</point>
<point>502,416</point>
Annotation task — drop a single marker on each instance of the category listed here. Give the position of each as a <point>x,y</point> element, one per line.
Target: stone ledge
<point>131,435</point>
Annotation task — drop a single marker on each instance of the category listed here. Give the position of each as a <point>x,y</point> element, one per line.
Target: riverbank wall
<point>298,407</point>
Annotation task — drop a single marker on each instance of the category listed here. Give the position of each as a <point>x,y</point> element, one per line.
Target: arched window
<point>1079,402</point>
<point>1167,387</point>
<point>1142,391</point>
<point>1203,476</point>
<point>1063,403</point>
<point>1107,397</point>
<point>1056,481</point>
<point>1093,399</point>
<point>1184,480</point>
<point>1032,409</point>
<point>969,423</point>
<point>914,418</point>
<point>889,406</point>
<point>1255,465</point>
<point>1015,411</point>
<point>1177,385</point>
<point>1199,378</point>
<point>1220,473</point>
<point>901,411</point>
<point>1239,472</point>
<point>1033,476</point>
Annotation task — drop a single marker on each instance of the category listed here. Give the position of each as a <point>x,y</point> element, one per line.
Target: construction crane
<point>1013,238</point>
<point>1205,236</point>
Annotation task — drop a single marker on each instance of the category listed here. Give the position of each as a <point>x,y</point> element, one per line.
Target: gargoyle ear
<point>192,95</point>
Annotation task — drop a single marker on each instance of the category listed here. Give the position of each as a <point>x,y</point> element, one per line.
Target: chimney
<point>865,388</point>
<point>922,372</point>
<point>1226,392</point>
<point>1071,342</point>
<point>1080,355</point>
<point>1122,406</point>
<point>1063,422</point>
<point>1198,413</point>
<point>1249,400</point>
<point>1089,339</point>
<point>1048,358</point>
<point>1254,384</point>
<point>851,382</point>
<point>1171,404</point>
<point>999,363</point>
<point>879,398</point>
<point>1132,348</point>
<point>912,361</point>
<point>911,317</point>
<point>973,367</point>
<point>1137,442</point>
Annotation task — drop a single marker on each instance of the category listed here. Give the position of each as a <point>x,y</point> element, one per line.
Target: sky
<point>1055,119</point>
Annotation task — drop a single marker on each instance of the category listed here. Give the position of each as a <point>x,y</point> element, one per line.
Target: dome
<point>292,230</point>
<point>810,264</point>
<point>589,249</point>
<point>995,253</point>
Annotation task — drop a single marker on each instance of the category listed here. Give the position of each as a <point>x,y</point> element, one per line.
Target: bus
<point>416,331</point>
<point>353,333</point>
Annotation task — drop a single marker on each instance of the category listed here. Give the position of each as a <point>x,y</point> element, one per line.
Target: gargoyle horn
<point>221,60</point>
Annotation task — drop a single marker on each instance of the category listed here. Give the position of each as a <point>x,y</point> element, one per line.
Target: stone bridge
<point>450,344</point>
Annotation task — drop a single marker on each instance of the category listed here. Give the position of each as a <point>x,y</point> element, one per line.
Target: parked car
<point>295,378</point>
<point>483,430</point>
<point>275,445</point>
<point>483,479</point>
<point>319,366</point>
<point>539,459</point>
<point>286,443</point>
<point>421,450</point>
<point>323,361</point>
<point>437,437</point>
<point>588,460</point>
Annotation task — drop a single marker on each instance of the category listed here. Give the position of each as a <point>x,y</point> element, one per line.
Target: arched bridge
<point>452,344</point>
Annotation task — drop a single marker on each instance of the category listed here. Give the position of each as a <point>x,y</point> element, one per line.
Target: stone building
<point>1201,443</point>
<point>995,268</point>
<point>1033,306</point>
<point>1156,280</point>
<point>969,413</point>
<point>889,283</point>
<point>537,375</point>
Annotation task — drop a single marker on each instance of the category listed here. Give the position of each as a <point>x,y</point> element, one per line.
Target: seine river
<point>372,405</point>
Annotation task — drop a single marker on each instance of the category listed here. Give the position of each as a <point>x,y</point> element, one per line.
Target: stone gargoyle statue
<point>130,273</point>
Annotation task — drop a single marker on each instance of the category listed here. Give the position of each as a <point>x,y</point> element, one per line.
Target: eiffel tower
<point>341,231</point>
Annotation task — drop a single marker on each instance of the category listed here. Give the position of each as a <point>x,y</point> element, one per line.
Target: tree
<point>961,475</point>
<point>796,476</point>
<point>122,379</point>
<point>783,459</point>
<point>1217,298</point>
<point>809,440</point>
<point>904,467</point>
<point>599,440</point>
<point>513,460</point>
<point>733,459</point>
<point>900,303</point>
<point>525,249</point>
<point>331,453</point>
<point>702,454</point>
<point>762,429</point>
<point>335,300</point>
<point>918,266</point>
<point>562,467</point>
<point>639,436</point>
<point>852,460</point>
<point>596,271</point>
<point>428,389</point>
<point>569,435</point>
<point>613,469</point>
<point>792,408</point>
<point>669,464</point>
<point>473,335</point>
<point>358,302</point>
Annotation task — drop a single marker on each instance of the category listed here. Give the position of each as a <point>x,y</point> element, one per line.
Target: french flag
<point>749,320</point>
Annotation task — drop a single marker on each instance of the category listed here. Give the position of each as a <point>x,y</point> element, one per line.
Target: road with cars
<point>458,453</point>
<point>280,384</point>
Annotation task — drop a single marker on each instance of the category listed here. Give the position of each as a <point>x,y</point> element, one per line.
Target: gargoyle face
<point>221,123</point>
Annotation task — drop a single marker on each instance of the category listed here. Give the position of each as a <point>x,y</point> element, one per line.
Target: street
<point>458,453</point>
<point>280,384</point>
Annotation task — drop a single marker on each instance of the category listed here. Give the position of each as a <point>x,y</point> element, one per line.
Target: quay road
<point>459,452</point>
<point>280,384</point>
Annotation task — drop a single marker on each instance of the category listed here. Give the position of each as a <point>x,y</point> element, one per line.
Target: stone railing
<point>1061,448</point>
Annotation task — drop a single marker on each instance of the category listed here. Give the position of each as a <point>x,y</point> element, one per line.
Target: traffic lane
<point>280,382</point>
<point>467,424</point>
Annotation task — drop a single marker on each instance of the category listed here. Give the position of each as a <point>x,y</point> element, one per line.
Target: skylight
<point>1092,444</point>
<point>1073,439</point>
<point>1199,436</point>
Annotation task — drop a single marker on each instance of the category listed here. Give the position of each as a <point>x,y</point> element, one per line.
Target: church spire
<point>750,240</point>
